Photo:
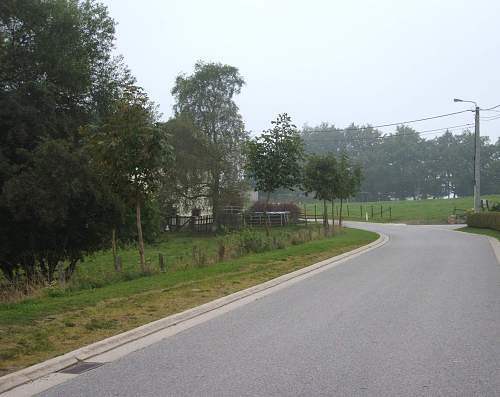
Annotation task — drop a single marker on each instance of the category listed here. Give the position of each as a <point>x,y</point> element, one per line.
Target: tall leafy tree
<point>207,98</point>
<point>57,73</point>
<point>274,158</point>
<point>187,182</point>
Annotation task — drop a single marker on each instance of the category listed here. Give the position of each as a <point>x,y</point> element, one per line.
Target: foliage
<point>56,75</point>
<point>60,211</point>
<point>348,178</point>
<point>151,218</point>
<point>186,183</point>
<point>274,157</point>
<point>489,220</point>
<point>130,152</point>
<point>330,178</point>
<point>321,177</point>
<point>207,98</point>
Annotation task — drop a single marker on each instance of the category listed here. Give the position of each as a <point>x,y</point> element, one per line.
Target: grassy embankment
<point>430,211</point>
<point>477,230</point>
<point>59,320</point>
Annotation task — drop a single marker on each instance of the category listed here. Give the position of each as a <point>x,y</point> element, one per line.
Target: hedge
<point>489,220</point>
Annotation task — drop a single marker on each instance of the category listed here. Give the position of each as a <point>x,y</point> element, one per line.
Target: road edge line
<point>26,375</point>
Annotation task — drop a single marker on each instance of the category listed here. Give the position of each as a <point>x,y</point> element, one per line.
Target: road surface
<point>419,316</point>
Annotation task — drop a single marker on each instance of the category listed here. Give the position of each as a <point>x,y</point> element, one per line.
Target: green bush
<point>490,220</point>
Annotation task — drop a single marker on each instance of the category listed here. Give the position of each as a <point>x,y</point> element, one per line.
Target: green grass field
<point>430,211</point>
<point>60,320</point>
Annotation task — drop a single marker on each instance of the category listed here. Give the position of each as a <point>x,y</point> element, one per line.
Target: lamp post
<point>477,157</point>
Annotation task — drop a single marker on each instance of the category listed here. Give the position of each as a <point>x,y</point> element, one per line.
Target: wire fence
<point>348,211</point>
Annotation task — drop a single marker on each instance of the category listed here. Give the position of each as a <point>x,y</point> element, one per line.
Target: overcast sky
<point>344,61</point>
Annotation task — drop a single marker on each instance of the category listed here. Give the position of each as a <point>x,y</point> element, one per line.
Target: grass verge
<point>477,230</point>
<point>37,329</point>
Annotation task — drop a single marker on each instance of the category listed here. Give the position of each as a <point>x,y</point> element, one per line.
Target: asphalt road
<point>419,316</point>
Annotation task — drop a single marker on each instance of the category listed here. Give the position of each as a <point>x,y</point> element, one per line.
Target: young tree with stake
<point>321,177</point>
<point>131,152</point>
<point>348,182</point>
<point>274,159</point>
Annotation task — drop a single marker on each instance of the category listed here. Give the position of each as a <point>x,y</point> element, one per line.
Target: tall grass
<point>182,252</point>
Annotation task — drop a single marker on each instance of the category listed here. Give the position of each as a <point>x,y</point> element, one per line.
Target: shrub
<point>252,241</point>
<point>489,220</point>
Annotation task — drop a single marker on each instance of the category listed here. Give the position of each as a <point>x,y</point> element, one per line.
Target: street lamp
<point>461,100</point>
<point>477,158</point>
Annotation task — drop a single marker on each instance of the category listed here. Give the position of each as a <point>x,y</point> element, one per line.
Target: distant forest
<point>406,165</point>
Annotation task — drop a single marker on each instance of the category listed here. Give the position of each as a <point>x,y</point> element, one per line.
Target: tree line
<point>404,164</point>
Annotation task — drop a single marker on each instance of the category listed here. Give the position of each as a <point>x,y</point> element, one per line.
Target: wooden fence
<point>232,220</point>
<point>190,223</point>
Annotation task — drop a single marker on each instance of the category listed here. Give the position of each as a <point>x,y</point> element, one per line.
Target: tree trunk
<point>266,218</point>
<point>113,247</point>
<point>140,239</point>
<point>215,201</point>
<point>325,215</point>
<point>333,216</point>
<point>340,213</point>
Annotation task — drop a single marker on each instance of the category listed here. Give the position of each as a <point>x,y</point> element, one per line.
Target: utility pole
<point>477,163</point>
<point>477,157</point>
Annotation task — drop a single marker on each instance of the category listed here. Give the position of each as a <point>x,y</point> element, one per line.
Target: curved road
<point>419,316</point>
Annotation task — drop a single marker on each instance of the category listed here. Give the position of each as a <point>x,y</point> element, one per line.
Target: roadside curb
<point>37,371</point>
<point>495,244</point>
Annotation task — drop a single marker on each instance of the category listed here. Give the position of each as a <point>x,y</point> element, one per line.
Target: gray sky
<point>337,61</point>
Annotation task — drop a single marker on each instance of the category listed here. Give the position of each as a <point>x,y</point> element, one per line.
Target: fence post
<point>390,213</point>
<point>333,217</point>
<point>347,209</point>
<point>118,263</point>
<point>372,211</point>
<point>315,217</point>
<point>305,213</point>
<point>161,261</point>
<point>361,211</point>
<point>381,212</point>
